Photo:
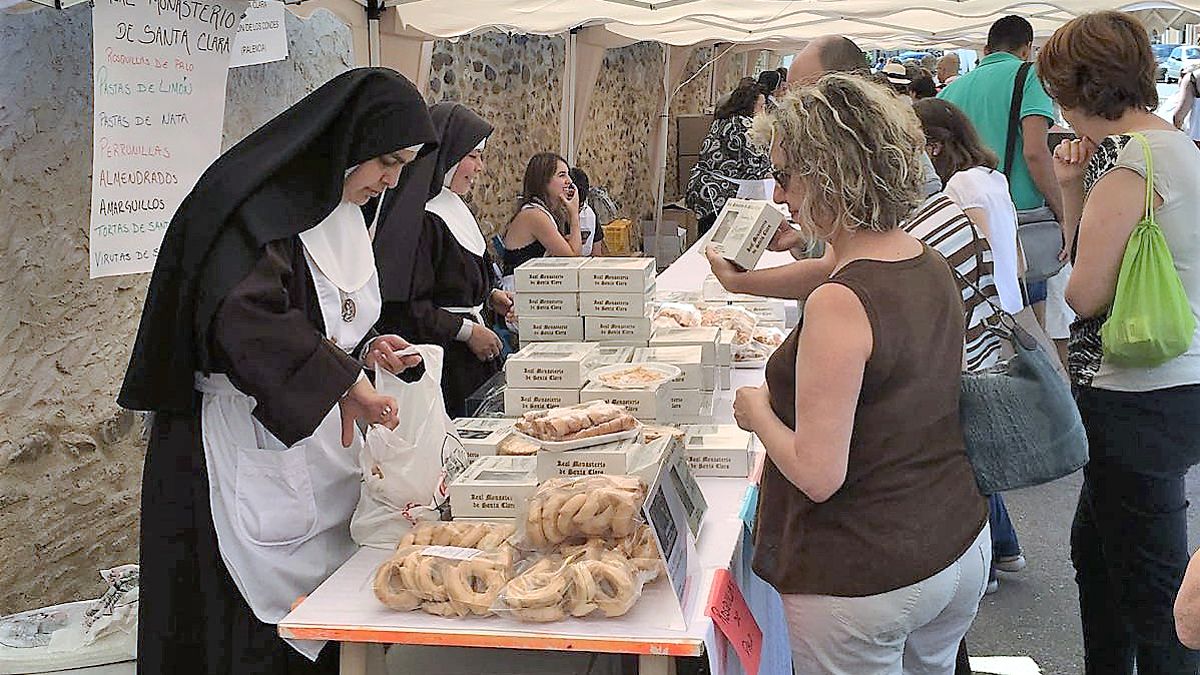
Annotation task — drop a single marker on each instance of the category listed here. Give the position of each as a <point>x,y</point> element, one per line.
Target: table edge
<point>682,647</point>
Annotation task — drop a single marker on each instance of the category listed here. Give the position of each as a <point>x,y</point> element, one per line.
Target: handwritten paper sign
<point>262,36</point>
<point>159,75</point>
<point>728,610</point>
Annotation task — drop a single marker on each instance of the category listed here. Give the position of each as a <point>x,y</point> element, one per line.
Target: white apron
<point>282,513</point>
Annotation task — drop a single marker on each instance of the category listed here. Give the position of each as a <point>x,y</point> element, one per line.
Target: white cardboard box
<point>685,402</point>
<point>549,365</point>
<point>481,436</point>
<point>701,416</point>
<point>743,229</point>
<point>704,336</point>
<point>611,328</point>
<point>494,487</point>
<point>518,401</point>
<point>644,404</point>
<point>538,328</point>
<point>690,360</point>
<point>721,450</point>
<point>631,305</point>
<point>608,355</point>
<point>548,275</point>
<point>629,456</point>
<point>537,303</point>
<point>725,348</point>
<point>617,275</point>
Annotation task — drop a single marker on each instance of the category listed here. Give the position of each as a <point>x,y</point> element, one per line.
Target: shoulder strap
<point>1141,139</point>
<point>1014,116</point>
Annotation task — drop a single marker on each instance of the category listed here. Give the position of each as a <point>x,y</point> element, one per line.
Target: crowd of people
<point>329,240</point>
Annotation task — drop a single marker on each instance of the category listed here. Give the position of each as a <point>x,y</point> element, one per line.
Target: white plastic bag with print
<point>406,470</point>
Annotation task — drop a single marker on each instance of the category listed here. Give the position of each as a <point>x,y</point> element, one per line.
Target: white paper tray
<point>579,443</point>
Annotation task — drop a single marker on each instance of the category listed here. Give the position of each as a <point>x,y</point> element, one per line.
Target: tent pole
<point>662,144</point>
<point>566,124</point>
<point>374,9</point>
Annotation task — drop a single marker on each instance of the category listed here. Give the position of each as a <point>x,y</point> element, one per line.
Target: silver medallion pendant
<point>349,309</point>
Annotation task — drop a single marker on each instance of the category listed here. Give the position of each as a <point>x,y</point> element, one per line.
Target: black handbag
<point>1019,419</point>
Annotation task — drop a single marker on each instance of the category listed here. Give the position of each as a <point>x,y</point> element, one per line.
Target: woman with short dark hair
<point>1129,538</point>
<point>730,164</point>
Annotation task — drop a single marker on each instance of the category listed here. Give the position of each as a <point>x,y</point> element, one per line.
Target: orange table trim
<point>533,642</point>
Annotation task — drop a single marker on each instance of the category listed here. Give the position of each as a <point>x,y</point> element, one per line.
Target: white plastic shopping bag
<point>406,470</point>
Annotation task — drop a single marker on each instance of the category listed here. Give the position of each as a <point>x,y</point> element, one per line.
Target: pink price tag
<point>728,610</point>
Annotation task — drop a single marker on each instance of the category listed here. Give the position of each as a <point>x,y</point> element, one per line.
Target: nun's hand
<point>483,343</point>
<point>503,304</point>
<point>385,353</point>
<point>363,403</point>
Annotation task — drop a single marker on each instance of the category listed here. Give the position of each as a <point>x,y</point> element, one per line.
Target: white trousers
<point>913,630</point>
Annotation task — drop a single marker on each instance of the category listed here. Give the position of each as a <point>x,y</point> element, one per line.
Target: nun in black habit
<point>263,297</point>
<point>442,290</point>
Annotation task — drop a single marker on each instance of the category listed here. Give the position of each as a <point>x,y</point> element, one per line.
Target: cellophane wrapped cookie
<point>574,509</point>
<point>598,581</point>
<point>443,580</point>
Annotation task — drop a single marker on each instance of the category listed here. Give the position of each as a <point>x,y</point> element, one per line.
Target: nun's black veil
<point>459,131</point>
<point>277,182</point>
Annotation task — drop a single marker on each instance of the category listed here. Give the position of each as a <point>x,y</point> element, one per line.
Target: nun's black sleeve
<point>437,275</point>
<point>272,350</point>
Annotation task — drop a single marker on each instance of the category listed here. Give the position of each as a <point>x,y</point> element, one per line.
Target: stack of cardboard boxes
<point>606,300</point>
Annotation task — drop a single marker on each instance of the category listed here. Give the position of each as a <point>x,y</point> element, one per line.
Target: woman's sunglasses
<point>782,178</point>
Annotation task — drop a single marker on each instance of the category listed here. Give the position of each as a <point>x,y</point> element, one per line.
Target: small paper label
<point>452,552</point>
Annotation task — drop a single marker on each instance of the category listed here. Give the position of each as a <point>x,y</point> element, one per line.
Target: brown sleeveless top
<point>910,505</point>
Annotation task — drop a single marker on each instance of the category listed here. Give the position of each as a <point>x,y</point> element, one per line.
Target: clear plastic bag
<point>573,509</point>
<point>737,319</point>
<point>677,315</point>
<point>601,583</point>
<point>443,580</point>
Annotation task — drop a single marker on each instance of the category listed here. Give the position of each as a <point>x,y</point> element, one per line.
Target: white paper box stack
<point>548,287</point>
<point>647,404</point>
<point>546,375</point>
<point>494,488</point>
<point>704,336</point>
<point>621,457</point>
<point>743,229</point>
<point>615,300</point>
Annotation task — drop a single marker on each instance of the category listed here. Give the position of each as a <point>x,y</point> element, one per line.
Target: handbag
<point>1039,235</point>
<point>1151,321</point>
<point>1020,424</point>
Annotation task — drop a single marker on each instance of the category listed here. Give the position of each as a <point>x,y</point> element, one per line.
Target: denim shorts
<point>1033,293</point>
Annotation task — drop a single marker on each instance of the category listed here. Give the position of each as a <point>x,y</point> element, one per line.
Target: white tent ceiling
<point>778,24</point>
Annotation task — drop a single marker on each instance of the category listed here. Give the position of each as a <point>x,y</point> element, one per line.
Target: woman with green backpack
<point>1136,277</point>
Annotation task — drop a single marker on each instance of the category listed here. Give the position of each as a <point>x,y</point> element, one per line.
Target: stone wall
<point>70,460</point>
<point>514,82</point>
<point>615,147</point>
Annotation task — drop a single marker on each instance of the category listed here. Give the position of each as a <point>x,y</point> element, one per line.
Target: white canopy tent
<point>400,33</point>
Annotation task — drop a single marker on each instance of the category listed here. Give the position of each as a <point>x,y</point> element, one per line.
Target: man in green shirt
<point>985,95</point>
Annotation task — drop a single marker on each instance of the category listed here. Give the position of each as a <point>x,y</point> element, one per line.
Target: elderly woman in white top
<point>1129,540</point>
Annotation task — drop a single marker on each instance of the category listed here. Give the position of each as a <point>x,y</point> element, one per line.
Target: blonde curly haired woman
<point>869,522</point>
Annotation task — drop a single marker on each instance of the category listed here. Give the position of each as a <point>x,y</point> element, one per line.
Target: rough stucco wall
<point>691,99</point>
<point>70,460</point>
<point>514,82</point>
<point>732,73</point>
<point>615,145</point>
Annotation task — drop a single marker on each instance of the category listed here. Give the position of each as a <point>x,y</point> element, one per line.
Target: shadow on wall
<point>70,460</point>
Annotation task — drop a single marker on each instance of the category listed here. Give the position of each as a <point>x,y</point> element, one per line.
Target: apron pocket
<point>274,496</point>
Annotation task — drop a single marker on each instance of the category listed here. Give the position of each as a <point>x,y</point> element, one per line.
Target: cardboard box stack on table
<point>615,300</point>
<point>690,399</point>
<point>547,300</point>
<point>546,375</point>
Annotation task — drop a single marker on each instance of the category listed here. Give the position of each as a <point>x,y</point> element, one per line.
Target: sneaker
<point>992,587</point>
<point>1010,563</point>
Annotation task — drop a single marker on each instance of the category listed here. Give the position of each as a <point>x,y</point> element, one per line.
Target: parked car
<point>1182,59</point>
<point>1161,54</point>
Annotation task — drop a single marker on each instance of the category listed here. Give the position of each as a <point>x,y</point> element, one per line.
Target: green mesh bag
<point>1151,321</point>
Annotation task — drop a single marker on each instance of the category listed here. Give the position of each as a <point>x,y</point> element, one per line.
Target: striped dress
<point>941,224</point>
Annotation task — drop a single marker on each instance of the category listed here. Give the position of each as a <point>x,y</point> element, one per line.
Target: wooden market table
<point>344,608</point>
